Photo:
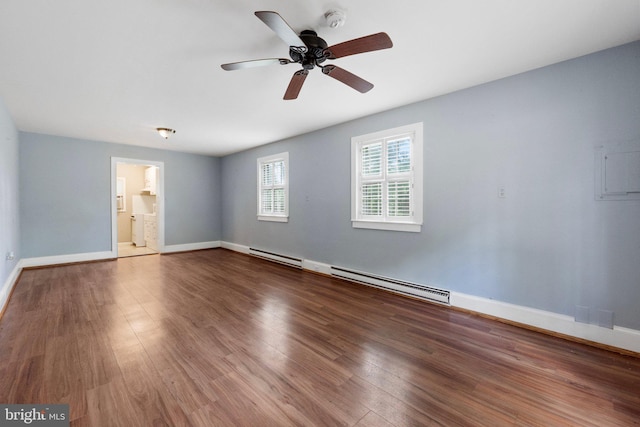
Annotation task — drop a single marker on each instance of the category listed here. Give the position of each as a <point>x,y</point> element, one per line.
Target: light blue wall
<point>9,219</point>
<point>549,244</point>
<point>66,186</point>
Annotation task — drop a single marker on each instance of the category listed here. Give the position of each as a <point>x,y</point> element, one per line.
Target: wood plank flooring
<point>216,338</point>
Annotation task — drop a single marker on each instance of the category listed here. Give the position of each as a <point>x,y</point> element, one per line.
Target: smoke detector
<point>335,18</point>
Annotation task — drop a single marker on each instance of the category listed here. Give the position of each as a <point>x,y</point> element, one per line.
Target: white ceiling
<point>115,70</point>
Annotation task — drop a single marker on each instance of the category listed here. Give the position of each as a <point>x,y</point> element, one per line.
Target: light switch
<point>502,192</point>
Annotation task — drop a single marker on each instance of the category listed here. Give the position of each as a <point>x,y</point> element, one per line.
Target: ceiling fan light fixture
<point>308,50</point>
<point>165,132</point>
<point>335,18</point>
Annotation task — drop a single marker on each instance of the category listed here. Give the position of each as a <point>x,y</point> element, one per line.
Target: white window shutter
<point>273,187</point>
<point>385,168</point>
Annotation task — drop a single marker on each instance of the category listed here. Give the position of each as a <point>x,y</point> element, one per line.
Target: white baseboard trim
<point>619,337</point>
<point>318,267</point>
<point>191,247</point>
<point>66,259</point>
<point>8,285</point>
<point>235,247</point>
<point>624,338</point>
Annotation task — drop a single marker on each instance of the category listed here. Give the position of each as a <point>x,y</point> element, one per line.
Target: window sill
<point>390,226</point>
<point>273,218</point>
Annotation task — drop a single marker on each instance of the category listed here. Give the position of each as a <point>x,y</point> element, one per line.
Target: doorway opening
<point>137,213</point>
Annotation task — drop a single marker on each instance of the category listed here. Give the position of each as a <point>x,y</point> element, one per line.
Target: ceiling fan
<point>309,50</point>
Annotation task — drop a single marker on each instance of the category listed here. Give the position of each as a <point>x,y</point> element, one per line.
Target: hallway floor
<point>127,249</point>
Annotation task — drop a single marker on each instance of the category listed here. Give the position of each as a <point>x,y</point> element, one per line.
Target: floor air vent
<point>398,286</point>
<point>282,259</point>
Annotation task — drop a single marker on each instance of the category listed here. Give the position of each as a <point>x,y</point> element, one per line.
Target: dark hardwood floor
<point>216,338</point>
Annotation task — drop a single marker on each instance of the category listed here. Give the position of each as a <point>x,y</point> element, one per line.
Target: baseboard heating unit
<point>406,288</point>
<point>282,259</point>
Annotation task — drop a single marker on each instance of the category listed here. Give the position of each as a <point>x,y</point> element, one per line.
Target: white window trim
<point>415,225</point>
<point>274,217</point>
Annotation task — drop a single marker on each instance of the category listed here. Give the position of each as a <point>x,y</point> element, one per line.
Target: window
<point>273,188</point>
<point>386,179</point>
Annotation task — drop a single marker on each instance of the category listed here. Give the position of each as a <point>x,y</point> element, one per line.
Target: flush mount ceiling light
<point>165,132</point>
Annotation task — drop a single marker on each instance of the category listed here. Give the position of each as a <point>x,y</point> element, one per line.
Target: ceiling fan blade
<point>364,44</point>
<point>350,79</point>
<point>255,63</point>
<point>279,26</point>
<point>295,84</point>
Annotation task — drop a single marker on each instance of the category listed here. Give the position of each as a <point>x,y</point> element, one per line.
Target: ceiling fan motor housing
<point>315,53</point>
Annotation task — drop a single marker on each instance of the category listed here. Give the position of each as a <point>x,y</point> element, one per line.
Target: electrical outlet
<point>10,256</point>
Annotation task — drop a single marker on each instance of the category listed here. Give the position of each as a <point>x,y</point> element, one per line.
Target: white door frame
<point>159,200</point>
